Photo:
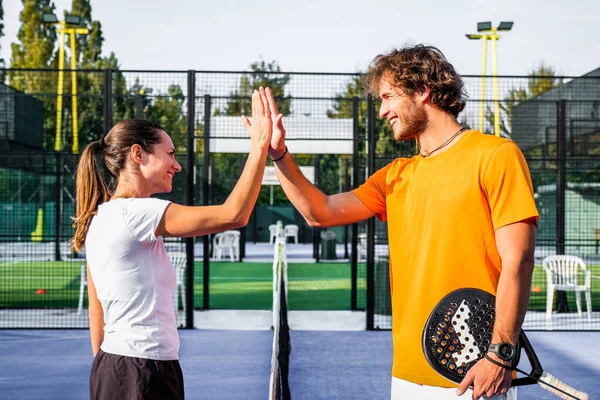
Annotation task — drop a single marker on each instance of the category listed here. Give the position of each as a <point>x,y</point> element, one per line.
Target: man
<point>460,214</point>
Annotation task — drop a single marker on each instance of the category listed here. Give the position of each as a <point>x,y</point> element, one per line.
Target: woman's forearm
<point>243,196</point>
<point>96,315</point>
<point>96,333</point>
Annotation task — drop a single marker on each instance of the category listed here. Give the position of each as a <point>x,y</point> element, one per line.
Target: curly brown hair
<point>414,68</point>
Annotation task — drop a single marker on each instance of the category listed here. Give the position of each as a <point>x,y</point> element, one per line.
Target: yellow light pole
<point>491,34</point>
<point>66,27</point>
<point>484,70</point>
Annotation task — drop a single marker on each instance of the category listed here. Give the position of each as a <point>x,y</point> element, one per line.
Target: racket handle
<point>547,379</point>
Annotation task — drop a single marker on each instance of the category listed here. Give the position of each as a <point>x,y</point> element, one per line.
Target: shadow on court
<point>55,364</point>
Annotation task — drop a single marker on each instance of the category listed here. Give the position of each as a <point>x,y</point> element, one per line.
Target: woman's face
<point>160,166</point>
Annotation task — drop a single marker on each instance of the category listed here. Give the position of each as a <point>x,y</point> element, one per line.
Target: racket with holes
<point>458,333</point>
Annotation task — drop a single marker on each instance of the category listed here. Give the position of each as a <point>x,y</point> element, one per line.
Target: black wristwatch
<point>505,351</point>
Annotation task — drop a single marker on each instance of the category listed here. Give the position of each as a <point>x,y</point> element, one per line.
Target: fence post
<point>108,103</point>
<point>242,250</point>
<point>355,170</point>
<point>317,231</point>
<point>371,222</point>
<point>57,208</point>
<point>561,186</point>
<point>139,105</point>
<point>206,198</point>
<point>189,195</point>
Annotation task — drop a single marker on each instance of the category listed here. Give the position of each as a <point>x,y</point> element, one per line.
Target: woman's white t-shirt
<point>134,279</point>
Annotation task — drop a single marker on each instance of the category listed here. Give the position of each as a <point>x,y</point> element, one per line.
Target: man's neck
<point>440,130</point>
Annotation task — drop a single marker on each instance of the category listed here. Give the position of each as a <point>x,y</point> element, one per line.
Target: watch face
<point>506,351</point>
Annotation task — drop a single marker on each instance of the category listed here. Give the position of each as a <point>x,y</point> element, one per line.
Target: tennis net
<point>280,358</point>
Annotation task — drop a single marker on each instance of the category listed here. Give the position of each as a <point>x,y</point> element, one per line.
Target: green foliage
<point>35,49</point>
<point>228,167</point>
<point>263,74</point>
<point>167,111</point>
<point>540,81</point>
<point>88,47</point>
<point>1,34</point>
<point>386,146</point>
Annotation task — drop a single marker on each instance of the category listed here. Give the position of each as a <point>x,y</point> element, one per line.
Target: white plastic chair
<point>179,261</point>
<point>562,273</point>
<point>361,247</point>
<point>272,233</point>
<point>291,231</point>
<point>227,242</point>
<point>82,284</point>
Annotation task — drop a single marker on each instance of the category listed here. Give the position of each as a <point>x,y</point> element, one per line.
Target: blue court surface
<point>55,364</point>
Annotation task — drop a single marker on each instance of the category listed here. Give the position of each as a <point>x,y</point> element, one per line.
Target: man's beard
<point>414,124</point>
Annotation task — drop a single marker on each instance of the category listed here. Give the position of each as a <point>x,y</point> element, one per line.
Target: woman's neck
<point>130,186</point>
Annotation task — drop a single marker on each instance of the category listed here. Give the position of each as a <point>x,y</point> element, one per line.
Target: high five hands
<point>277,148</point>
<point>260,129</point>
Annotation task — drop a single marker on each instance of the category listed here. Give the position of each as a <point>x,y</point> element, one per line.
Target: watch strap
<point>496,362</point>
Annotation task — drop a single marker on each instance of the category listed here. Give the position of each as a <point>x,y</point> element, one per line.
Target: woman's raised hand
<point>260,129</point>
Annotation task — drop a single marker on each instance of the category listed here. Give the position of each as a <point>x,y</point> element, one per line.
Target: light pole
<point>68,26</point>
<point>490,33</point>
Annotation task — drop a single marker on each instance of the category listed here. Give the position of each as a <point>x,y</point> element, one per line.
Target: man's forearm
<point>305,196</point>
<point>512,299</point>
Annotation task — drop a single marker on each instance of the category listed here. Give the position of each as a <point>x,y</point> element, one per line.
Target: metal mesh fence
<point>327,118</point>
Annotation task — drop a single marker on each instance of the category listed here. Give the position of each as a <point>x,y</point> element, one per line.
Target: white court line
<point>11,378</point>
<point>38,277</point>
<point>10,341</point>
<point>218,278</point>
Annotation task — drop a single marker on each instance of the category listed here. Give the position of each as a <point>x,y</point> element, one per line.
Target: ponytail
<point>91,191</point>
<point>114,146</point>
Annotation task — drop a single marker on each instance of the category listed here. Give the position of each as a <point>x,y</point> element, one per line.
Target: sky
<point>336,35</point>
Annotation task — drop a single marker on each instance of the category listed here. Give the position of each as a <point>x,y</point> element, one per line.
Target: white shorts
<point>405,390</point>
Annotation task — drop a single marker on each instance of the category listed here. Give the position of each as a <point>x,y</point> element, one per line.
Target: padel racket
<point>459,331</point>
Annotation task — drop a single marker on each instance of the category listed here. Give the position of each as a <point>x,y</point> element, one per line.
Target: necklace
<point>461,130</point>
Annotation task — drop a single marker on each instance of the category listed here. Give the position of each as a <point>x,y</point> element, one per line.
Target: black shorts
<point>115,377</point>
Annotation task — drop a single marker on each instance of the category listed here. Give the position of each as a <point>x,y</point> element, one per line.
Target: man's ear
<point>137,154</point>
<point>424,95</point>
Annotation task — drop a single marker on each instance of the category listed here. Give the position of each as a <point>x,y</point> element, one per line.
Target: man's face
<point>407,117</point>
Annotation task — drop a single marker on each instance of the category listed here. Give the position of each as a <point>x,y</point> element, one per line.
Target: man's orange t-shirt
<point>442,213</point>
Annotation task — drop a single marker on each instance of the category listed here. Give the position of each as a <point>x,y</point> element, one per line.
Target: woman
<point>130,278</point>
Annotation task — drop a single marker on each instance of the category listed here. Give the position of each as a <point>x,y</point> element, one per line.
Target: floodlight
<point>474,37</point>
<point>505,26</point>
<point>49,18</point>
<point>72,19</point>
<point>484,26</point>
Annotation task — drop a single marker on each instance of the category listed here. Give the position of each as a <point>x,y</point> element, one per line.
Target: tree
<point>226,166</point>
<point>263,74</point>
<point>35,48</point>
<point>541,80</point>
<point>89,57</point>
<point>89,47</point>
<point>167,110</point>
<point>1,34</point>
<point>386,147</point>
